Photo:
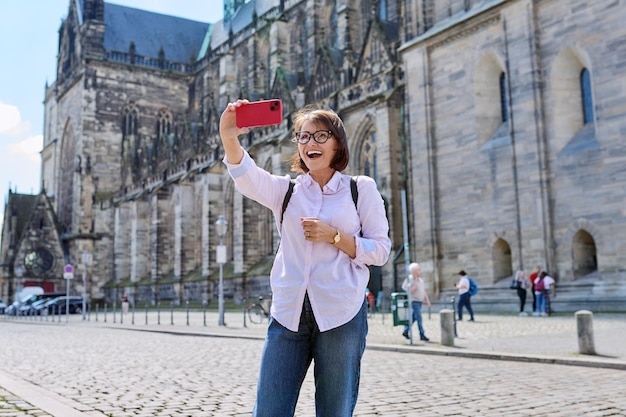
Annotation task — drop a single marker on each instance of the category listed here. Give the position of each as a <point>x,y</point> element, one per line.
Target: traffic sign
<point>68,271</point>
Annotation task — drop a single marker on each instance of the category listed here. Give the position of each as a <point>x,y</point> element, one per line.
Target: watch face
<point>39,261</point>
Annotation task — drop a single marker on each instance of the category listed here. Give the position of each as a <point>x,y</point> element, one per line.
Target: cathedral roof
<point>180,38</point>
<point>21,206</point>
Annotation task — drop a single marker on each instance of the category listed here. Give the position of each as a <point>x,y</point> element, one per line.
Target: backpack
<point>473,287</point>
<point>540,285</point>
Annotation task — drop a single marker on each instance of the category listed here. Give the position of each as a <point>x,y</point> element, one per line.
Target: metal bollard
<point>584,324</point>
<point>171,313</point>
<point>97,308</point>
<point>105,312</point>
<point>454,316</point>
<point>146,313</point>
<point>114,310</point>
<point>132,314</point>
<point>159,313</point>
<point>204,305</point>
<point>187,308</point>
<point>244,313</point>
<point>121,314</point>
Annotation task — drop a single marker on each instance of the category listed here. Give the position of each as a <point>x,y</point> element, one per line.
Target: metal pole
<point>244,313</point>
<point>454,316</point>
<point>220,300</point>
<point>221,226</point>
<point>405,232</point>
<point>85,260</point>
<point>67,300</point>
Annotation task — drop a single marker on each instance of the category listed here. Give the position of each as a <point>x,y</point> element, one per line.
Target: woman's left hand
<point>316,230</point>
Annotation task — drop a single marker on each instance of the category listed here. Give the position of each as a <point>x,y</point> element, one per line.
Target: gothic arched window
<point>334,28</point>
<point>587,99</point>
<point>504,100</point>
<point>129,120</point>
<point>382,10</point>
<point>369,155</point>
<point>164,124</point>
<point>308,60</point>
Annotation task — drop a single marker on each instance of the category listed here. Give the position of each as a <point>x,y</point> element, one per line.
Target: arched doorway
<point>584,260</point>
<point>502,263</point>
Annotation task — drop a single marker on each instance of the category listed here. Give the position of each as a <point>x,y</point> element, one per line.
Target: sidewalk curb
<point>44,399</point>
<point>444,351</point>
<point>501,356</point>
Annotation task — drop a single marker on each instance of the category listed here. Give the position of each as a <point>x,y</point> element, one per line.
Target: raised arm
<point>229,132</point>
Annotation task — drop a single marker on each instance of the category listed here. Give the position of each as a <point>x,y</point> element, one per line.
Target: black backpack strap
<point>354,189</point>
<point>292,183</point>
<point>355,195</point>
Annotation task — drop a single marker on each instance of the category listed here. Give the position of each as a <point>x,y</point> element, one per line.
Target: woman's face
<point>317,156</point>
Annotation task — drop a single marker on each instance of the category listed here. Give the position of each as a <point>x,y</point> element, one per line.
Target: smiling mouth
<point>314,154</point>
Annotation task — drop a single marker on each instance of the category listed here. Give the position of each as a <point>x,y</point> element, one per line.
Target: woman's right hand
<point>228,121</point>
<point>229,132</point>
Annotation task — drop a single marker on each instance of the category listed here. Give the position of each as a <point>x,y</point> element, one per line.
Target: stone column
<point>446,318</point>
<point>584,325</point>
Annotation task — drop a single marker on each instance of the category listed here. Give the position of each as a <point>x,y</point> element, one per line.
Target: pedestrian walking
<point>125,304</point>
<point>464,296</point>
<point>319,276</point>
<point>414,284</point>
<point>521,285</point>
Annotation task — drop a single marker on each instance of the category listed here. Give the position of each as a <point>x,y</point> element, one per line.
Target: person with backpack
<point>465,295</point>
<point>320,272</point>
<point>532,277</point>
<point>543,284</point>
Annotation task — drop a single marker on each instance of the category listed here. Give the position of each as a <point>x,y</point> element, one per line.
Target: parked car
<point>58,305</point>
<point>25,306</point>
<point>34,308</point>
<point>11,309</point>
<point>3,306</point>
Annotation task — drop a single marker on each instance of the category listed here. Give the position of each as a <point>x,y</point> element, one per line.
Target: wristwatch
<point>337,238</point>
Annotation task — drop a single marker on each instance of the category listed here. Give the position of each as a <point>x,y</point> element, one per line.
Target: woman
<point>320,272</point>
<point>521,285</point>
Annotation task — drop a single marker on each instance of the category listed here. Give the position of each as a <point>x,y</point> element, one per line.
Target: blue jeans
<point>286,358</point>
<point>464,300</point>
<point>416,306</point>
<point>541,302</point>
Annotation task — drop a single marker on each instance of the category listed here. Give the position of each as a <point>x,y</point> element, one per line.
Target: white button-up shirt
<point>334,282</point>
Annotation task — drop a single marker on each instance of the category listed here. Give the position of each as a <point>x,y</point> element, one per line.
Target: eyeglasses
<point>303,137</point>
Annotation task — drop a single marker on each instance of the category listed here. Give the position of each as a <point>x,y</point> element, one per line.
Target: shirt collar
<point>331,187</point>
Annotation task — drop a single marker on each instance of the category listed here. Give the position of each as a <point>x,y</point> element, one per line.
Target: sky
<point>28,50</point>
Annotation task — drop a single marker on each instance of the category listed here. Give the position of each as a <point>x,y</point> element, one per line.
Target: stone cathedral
<point>494,129</point>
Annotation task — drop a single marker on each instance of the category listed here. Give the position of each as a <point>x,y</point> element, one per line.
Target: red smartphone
<point>260,113</point>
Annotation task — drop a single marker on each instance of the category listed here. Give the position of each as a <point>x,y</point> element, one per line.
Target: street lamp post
<point>221,224</point>
<point>86,259</point>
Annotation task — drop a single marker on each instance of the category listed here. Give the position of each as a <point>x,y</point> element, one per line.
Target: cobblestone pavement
<point>96,368</point>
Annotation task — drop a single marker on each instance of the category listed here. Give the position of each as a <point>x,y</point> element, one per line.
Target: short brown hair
<point>332,122</point>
